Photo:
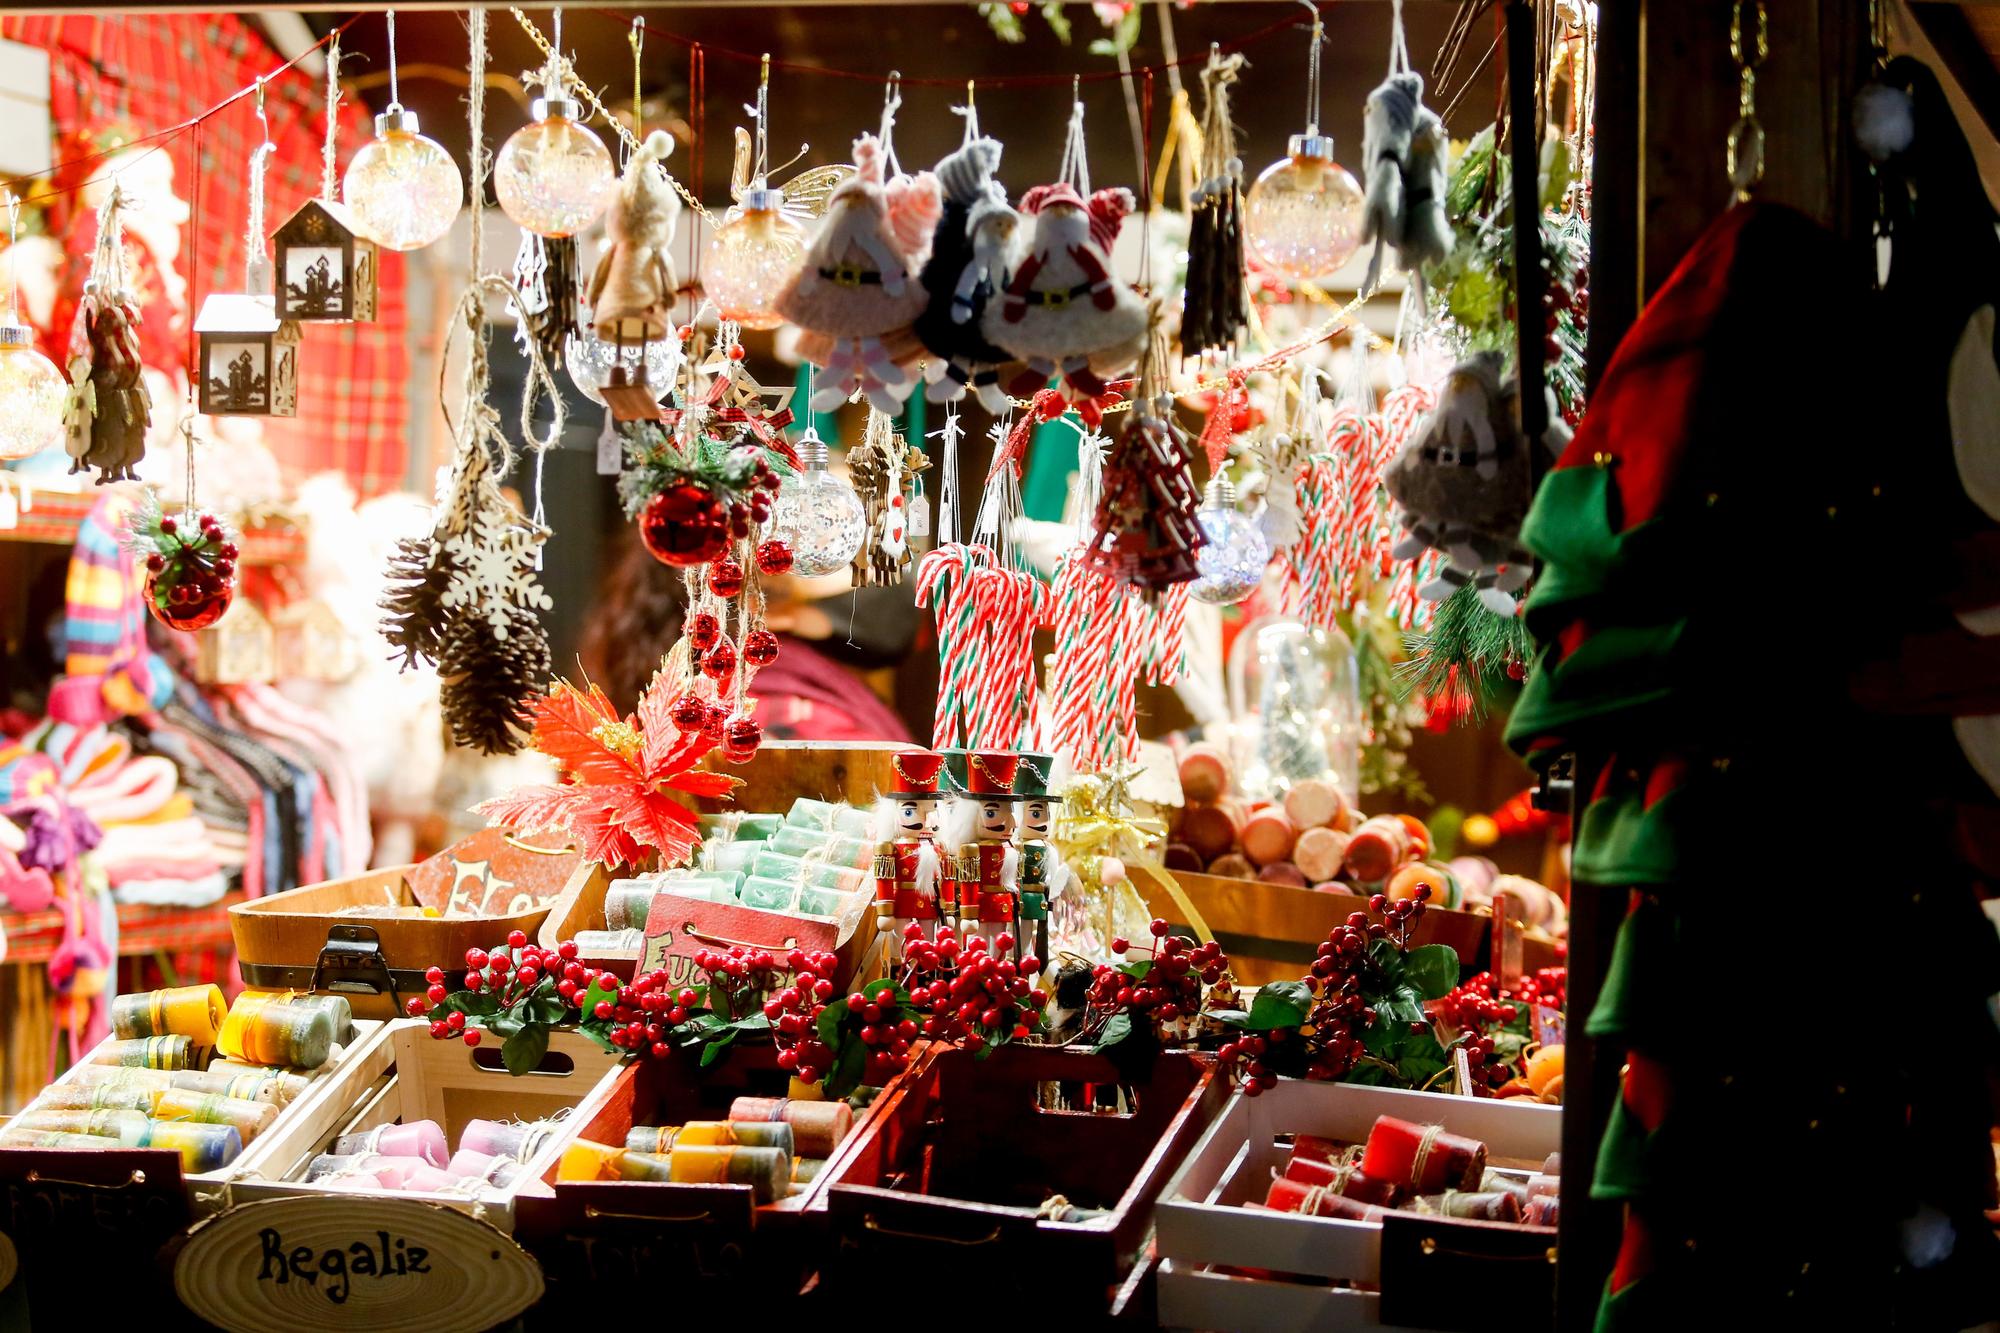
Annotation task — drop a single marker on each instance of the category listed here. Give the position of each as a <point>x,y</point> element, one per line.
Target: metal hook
<point>892,93</point>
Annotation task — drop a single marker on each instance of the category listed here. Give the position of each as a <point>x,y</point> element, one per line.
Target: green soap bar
<point>739,825</point>
<point>770,895</point>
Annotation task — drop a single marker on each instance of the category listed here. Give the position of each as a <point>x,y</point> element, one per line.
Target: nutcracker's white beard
<point>929,869</point>
<point>1010,869</point>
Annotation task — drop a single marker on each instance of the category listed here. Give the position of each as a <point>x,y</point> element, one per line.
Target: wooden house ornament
<point>325,267</point>
<point>249,356</point>
<point>238,649</point>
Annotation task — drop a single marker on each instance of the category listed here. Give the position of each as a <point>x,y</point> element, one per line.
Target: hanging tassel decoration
<point>1212,308</point>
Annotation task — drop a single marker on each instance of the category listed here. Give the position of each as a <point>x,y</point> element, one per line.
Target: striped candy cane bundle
<point>953,566</point>
<point>1108,635</point>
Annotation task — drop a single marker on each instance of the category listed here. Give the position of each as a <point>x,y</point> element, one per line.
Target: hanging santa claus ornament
<point>857,292</point>
<point>1061,309</point>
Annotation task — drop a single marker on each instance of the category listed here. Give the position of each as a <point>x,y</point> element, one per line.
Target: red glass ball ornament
<point>703,629</point>
<point>681,525</point>
<point>740,738</point>
<point>774,557</point>
<point>715,724</point>
<point>760,647</point>
<point>689,712</point>
<point>187,597</point>
<point>719,662</point>
<point>725,577</point>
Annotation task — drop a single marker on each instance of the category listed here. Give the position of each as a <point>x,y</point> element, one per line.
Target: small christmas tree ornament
<point>1146,530</point>
<point>1062,310</point>
<point>403,189</point>
<point>973,248</point>
<point>326,264</point>
<point>109,407</point>
<point>249,357</point>
<point>857,292</point>
<point>190,558</point>
<point>1404,153</point>
<point>1213,303</point>
<point>554,176</point>
<point>1233,552</point>
<point>1302,217</point>
<point>818,516</point>
<point>632,292</point>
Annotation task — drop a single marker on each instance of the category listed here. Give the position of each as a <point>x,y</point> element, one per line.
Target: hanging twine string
<point>327,158</point>
<point>892,102</point>
<point>1399,44</point>
<point>253,233</point>
<point>1075,167</point>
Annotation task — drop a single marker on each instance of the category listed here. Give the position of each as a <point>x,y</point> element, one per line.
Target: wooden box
<point>307,939</point>
<point>783,771</point>
<point>404,1074</point>
<point>950,1174</point>
<point>1204,1227</point>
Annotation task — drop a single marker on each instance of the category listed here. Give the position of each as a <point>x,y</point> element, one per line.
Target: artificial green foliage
<point>656,459</point>
<point>1464,655</point>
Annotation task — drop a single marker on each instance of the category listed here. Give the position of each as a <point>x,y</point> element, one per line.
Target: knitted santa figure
<point>976,242</point>
<point>857,291</point>
<point>1061,309</point>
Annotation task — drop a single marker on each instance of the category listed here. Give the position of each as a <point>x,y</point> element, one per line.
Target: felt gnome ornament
<point>857,292</point>
<point>1403,151</point>
<point>632,292</point>
<point>1062,310</point>
<point>973,249</point>
<point>109,410</point>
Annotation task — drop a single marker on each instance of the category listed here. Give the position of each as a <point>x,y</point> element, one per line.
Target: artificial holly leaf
<point>1136,971</point>
<point>596,995</point>
<point>523,1051</point>
<point>874,989</point>
<point>828,1026</point>
<point>535,809</point>
<point>845,1076</point>
<point>582,731</point>
<point>718,1047</point>
<point>1116,1031</point>
<point>1132,1051</point>
<point>1431,969</point>
<point>1279,1004</point>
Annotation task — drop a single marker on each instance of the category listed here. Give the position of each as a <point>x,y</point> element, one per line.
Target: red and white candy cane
<point>956,564</point>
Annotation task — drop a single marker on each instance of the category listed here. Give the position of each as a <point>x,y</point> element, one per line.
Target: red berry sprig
<point>794,1014</point>
<point>970,995</point>
<point>1166,992</point>
<point>496,982</point>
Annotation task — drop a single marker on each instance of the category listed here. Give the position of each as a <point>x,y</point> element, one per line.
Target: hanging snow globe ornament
<point>1302,217</point>
<point>1230,562</point>
<point>554,176</point>
<point>817,516</point>
<point>32,390</point>
<point>403,189</point>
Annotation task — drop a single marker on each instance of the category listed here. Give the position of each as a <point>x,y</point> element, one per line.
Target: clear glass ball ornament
<point>751,255</point>
<point>1302,217</point>
<point>32,392</point>
<point>554,176</point>
<point>817,514</point>
<point>1230,564</point>
<point>403,189</point>
<point>591,360</point>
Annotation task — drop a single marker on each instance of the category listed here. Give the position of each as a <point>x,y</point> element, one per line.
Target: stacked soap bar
<point>159,1082</point>
<point>1416,1168</point>
<point>415,1156</point>
<point>775,1145</point>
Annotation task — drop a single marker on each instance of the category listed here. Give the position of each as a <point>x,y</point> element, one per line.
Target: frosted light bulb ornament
<point>750,257</point>
<point>555,176</point>
<point>1302,218</point>
<point>1230,564</point>
<point>32,391</point>
<point>817,514</point>
<point>403,189</point>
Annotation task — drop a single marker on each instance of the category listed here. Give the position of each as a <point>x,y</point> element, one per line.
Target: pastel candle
<point>585,1160</point>
<point>427,1179</point>
<point>1424,1159</point>
<point>766,1170</point>
<point>770,895</point>
<point>249,1118</point>
<point>387,1172</point>
<point>127,1127</point>
<point>13,1137</point>
<point>1480,1206</point>
<point>651,1138</point>
<point>94,1075</point>
<point>95,1097</point>
<point>422,1139</point>
<point>1295,1196</point>
<point>1315,1148</point>
<point>172,1052</point>
<point>628,903</point>
<point>1347,1179</point>
<point>502,1138</point>
<point>266,1031</point>
<point>202,1147</point>
<point>1377,847</point>
<point>465,1164</point>
<point>1544,1210</point>
<point>817,1127</point>
<point>194,1012</point>
<point>805,1170</point>
<point>296,1079</point>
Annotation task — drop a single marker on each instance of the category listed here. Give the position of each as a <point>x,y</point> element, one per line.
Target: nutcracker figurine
<point>984,860</point>
<point>1042,871</point>
<point>910,879</point>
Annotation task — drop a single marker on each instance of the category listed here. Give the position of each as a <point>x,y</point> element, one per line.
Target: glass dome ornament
<point>403,189</point>
<point>591,360</point>
<point>1230,564</point>
<point>1297,691</point>
<point>817,515</point>
<point>750,256</point>
<point>554,176</point>
<point>1302,217</point>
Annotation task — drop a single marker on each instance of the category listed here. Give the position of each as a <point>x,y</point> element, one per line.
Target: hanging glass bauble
<point>554,176</point>
<point>591,360</point>
<point>1303,215</point>
<point>190,576</point>
<point>684,525</point>
<point>1230,564</point>
<point>752,254</point>
<point>32,391</point>
<point>403,189</point>
<point>817,515</point>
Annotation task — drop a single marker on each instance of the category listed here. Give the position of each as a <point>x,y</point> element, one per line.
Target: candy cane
<point>957,629</point>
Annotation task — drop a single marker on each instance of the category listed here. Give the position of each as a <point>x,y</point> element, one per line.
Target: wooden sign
<point>679,928</point>
<point>390,1264</point>
<point>494,873</point>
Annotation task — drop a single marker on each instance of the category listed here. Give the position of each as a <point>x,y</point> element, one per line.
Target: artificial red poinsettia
<point>616,776</point>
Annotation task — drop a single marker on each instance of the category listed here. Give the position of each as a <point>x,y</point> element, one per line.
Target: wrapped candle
<point>749,1133</point>
<point>248,1118</point>
<point>174,1052</point>
<point>1180,856</point>
<point>194,1012</point>
<point>152,1079</point>
<point>1341,1178</point>
<point>1295,1196</point>
<point>339,1008</point>
<point>1543,1183</point>
<point>584,1160</point>
<point>610,943</point>
<point>731,858</point>
<point>1497,1206</point>
<point>817,1127</point>
<point>506,1138</point>
<point>1268,836</point>
<point>297,1079</point>
<point>95,1097</point>
<point>1495,1182</point>
<point>1543,1210</point>
<point>739,825</point>
<point>1424,1159</point>
<point>1314,1148</point>
<point>419,1138</point>
<point>1376,849</point>
<point>128,1127</point>
<point>806,870</point>
<point>805,1170</point>
<point>766,1170</point>
<point>388,1172</point>
<point>1408,878</point>
<point>1283,872</point>
<point>271,1031</point>
<point>628,902</point>
<point>835,848</point>
<point>1319,852</point>
<point>499,1172</point>
<point>1204,773</point>
<point>817,901</point>
<point>427,1179</point>
<point>275,1086</point>
<point>1314,803</point>
<point>202,1147</point>
<point>1232,865</point>
<point>808,813</point>
<point>1208,830</point>
<point>14,1137</point>
<point>770,895</point>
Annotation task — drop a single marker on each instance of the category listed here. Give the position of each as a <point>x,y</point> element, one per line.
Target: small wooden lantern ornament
<point>249,356</point>
<point>326,269</point>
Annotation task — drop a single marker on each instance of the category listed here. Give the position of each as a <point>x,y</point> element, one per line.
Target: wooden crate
<point>947,1176</point>
<point>783,771</point>
<point>1204,1229</point>
<point>404,1074</point>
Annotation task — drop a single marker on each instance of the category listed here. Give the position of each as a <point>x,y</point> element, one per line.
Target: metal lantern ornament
<point>32,390</point>
<point>248,356</point>
<point>404,189</point>
<point>1302,217</point>
<point>554,177</point>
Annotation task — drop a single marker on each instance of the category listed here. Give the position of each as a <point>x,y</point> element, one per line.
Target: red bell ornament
<point>689,713</point>
<point>719,662</point>
<point>684,525</point>
<point>774,557</point>
<point>716,723</point>
<point>760,647</point>
<point>725,577</point>
<point>703,629</point>
<point>740,738</point>
<point>189,599</point>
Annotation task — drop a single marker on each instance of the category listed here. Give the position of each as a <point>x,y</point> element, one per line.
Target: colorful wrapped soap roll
<point>96,1097</point>
<point>296,1079</point>
<point>94,1075</point>
<point>766,1170</point>
<point>194,1012</point>
<point>248,1118</point>
<point>506,1138</point>
<point>276,1086</point>
<point>806,870</point>
<point>12,1136</point>
<point>1320,852</point>
<point>129,1128</point>
<point>817,1127</point>
<point>174,1052</point>
<point>1282,872</point>
<point>585,1160</point>
<point>1477,1206</point>
<point>388,1172</point>
<point>421,1139</point>
<point>750,1133</point>
<point>339,1008</point>
<point>1208,830</point>
<point>427,1179</point>
<point>1314,803</point>
<point>202,1147</point>
<point>770,895</point>
<point>1376,849</point>
<point>836,848</point>
<point>628,902</point>
<point>466,1164</point>
<point>1295,1196</point>
<point>805,1170</point>
<point>730,858</point>
<point>610,943</point>
<point>267,1030</point>
<point>1342,1178</point>
<point>740,825</point>
<point>817,901</point>
<point>808,813</point>
<point>1423,1159</point>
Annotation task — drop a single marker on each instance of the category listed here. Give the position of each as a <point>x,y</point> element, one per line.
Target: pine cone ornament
<point>490,682</point>
<point>414,600</point>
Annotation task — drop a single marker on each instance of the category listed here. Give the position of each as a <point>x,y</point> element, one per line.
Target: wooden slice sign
<point>392,1264</point>
<point>10,1262</point>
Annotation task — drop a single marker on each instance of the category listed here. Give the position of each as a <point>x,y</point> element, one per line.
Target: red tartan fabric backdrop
<point>144,73</point>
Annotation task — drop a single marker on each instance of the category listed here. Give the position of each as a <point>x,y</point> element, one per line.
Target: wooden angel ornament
<point>109,409</point>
